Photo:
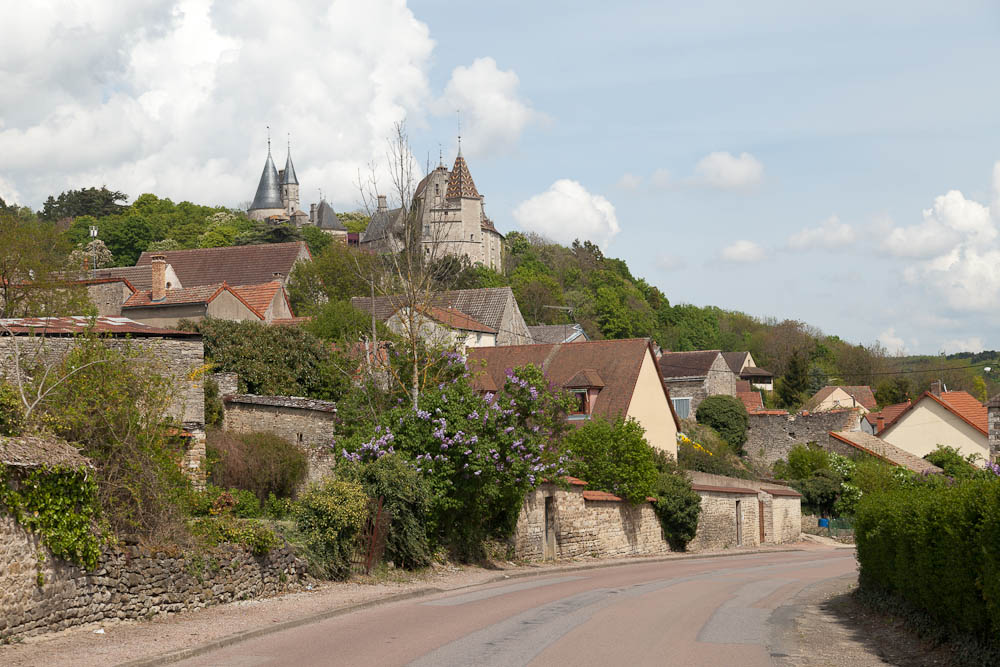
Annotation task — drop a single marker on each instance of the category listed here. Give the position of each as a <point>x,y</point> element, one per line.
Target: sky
<point>838,165</point>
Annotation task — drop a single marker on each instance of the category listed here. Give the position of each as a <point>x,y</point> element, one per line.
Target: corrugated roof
<point>687,364</point>
<point>879,448</point>
<point>617,362</point>
<point>235,265</point>
<point>71,326</point>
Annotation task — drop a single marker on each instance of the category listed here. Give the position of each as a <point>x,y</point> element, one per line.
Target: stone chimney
<point>993,422</point>
<point>382,206</point>
<point>159,267</point>
<point>936,387</point>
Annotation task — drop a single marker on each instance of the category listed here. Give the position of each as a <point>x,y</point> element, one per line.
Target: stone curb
<point>236,638</point>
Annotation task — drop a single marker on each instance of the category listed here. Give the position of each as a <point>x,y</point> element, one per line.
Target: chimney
<point>879,423</point>
<point>159,266</point>
<point>382,206</point>
<point>936,387</point>
<point>312,213</point>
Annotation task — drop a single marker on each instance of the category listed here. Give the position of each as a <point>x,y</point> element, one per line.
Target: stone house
<point>177,355</point>
<point>494,307</point>
<point>953,418</point>
<point>610,379</point>
<point>451,217</point>
<point>443,327</point>
<point>308,423</point>
<point>694,376</point>
<point>741,512</point>
<point>746,369</point>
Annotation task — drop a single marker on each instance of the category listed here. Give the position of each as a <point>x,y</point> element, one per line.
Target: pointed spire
<point>289,177</point>
<point>460,183</point>
<point>268,194</point>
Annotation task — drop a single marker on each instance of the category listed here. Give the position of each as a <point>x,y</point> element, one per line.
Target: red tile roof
<point>259,297</point>
<point>601,495</point>
<point>249,295</point>
<point>960,403</point>
<point>616,361</point>
<point>782,492</point>
<point>752,400</point>
<point>70,326</point>
<point>889,413</point>
<point>236,265</point>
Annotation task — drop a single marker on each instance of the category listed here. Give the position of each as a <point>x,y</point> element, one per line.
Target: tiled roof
<point>617,362</point>
<point>585,378</point>
<point>556,333</point>
<point>687,364</point>
<point>601,496</point>
<point>792,493</point>
<point>381,225</point>
<point>879,448</point>
<point>291,321</point>
<point>327,219</point>
<point>743,385</point>
<point>862,394</point>
<point>140,277</point>
<point>889,414</point>
<point>486,306</point>
<point>752,400</point>
<point>71,326</point>
<point>735,360</point>
<point>32,452</point>
<point>725,489</point>
<point>296,402</point>
<point>456,319</point>
<point>173,297</point>
<point>754,372</point>
<point>460,181</point>
<point>966,406</point>
<point>259,297</point>
<point>235,265</point>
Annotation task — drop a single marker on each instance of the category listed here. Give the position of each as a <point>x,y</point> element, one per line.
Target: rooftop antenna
<point>268,139</point>
<point>320,193</point>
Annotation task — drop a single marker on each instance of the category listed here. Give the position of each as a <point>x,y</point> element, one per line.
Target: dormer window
<point>585,386</point>
<point>581,402</point>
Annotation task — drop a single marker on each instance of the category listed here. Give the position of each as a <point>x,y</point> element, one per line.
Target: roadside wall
<point>771,437</point>
<point>717,525</point>
<point>128,584</point>
<point>781,506</point>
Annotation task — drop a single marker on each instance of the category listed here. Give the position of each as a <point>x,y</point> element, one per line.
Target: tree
<point>794,382</point>
<point>340,321</point>
<point>896,390</point>
<point>613,457</point>
<point>728,416</point>
<point>96,202</point>
<point>336,273</point>
<point>979,388</point>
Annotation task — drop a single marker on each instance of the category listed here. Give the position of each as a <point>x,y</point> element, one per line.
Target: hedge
<point>937,548</point>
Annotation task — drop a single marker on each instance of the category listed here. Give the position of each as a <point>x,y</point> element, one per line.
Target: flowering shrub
<point>479,453</point>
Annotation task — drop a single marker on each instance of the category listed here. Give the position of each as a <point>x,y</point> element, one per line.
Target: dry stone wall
<point>39,594</point>
<point>771,437</point>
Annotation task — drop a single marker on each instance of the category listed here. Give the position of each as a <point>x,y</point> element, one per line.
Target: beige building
<point>610,379</point>
<point>949,418</point>
<point>842,398</point>
<point>443,327</point>
<point>450,213</point>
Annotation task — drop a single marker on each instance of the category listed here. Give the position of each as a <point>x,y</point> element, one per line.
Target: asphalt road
<point>717,611</point>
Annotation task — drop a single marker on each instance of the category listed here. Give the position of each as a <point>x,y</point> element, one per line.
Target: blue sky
<point>834,164</point>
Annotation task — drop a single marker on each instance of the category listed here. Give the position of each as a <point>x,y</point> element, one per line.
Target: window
<point>581,405</point>
<point>300,437</point>
<point>437,189</point>
<point>682,406</point>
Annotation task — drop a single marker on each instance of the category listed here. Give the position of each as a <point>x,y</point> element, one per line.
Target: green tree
<point>335,274</point>
<point>895,390</point>
<point>728,416</point>
<point>794,382</point>
<point>613,456</point>
<point>96,202</point>
<point>979,388</point>
<point>340,321</point>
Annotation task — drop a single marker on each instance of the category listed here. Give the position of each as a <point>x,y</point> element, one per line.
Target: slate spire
<point>460,184</point>
<point>289,177</point>
<point>268,193</point>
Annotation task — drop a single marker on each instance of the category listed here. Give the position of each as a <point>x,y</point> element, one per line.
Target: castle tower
<point>289,186</point>
<point>268,201</point>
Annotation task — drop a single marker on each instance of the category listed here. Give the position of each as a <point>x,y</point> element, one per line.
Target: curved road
<point>714,611</point>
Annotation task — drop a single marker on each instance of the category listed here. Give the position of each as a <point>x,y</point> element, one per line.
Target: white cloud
<point>668,262</point>
<point>172,96</point>
<point>893,343</point>
<point>726,171</point>
<point>8,192</point>
<point>661,179</point>
<point>952,219</point>
<point>493,114</point>
<point>831,233</point>
<point>743,252</point>
<point>629,181</point>
<point>972,344</point>
<point>566,211</point>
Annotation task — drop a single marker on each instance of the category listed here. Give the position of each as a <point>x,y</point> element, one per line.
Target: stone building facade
<point>730,517</point>
<point>691,377</point>
<point>779,510</point>
<point>308,423</point>
<point>993,421</point>
<point>771,436</point>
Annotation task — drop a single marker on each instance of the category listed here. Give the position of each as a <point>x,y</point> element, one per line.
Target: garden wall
<point>782,506</point>
<point>771,437</point>
<point>718,527</point>
<point>129,583</point>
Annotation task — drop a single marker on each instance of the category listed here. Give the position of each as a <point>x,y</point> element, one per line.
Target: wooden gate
<point>760,516</point>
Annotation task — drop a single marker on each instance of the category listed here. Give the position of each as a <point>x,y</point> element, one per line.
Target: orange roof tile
<point>601,495</point>
<point>259,296</point>
<point>968,407</point>
<point>752,400</point>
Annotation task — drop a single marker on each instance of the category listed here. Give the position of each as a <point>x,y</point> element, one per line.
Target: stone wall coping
<point>782,492</point>
<point>601,495</point>
<point>297,402</point>
<point>32,452</point>
<point>724,489</point>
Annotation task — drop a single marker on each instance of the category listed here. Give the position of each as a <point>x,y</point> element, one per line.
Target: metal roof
<point>289,177</point>
<point>327,219</point>
<point>268,194</point>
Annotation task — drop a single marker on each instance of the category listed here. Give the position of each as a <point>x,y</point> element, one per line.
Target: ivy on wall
<point>58,503</point>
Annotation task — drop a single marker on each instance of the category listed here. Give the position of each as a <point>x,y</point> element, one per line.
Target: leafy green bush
<point>11,411</point>
<point>803,462</point>
<point>951,461</point>
<point>278,508</point>
<point>677,505</point>
<point>259,462</point>
<point>405,496</point>
<point>728,416</point>
<point>329,515</point>
<point>250,533</point>
<point>937,547</point>
<point>213,403</point>
<point>613,457</point>
<point>701,448</point>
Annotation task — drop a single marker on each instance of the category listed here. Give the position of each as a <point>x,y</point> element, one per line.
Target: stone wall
<point>581,527</point>
<point>787,520</point>
<point>693,389</point>
<point>717,524</point>
<point>771,437</point>
<point>131,583</point>
<point>994,430</point>
<point>779,505</point>
<point>309,424</point>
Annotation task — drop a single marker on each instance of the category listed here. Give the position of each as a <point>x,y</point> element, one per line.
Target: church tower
<point>289,186</point>
<point>268,201</point>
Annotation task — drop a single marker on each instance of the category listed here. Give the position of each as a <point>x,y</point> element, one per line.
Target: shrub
<point>613,457</point>
<point>213,404</point>
<point>254,535</point>
<point>951,461</point>
<point>677,505</point>
<point>11,411</point>
<point>405,496</point>
<point>938,548</point>
<point>804,461</point>
<point>728,416</point>
<point>259,462</point>
<point>329,515</point>
<point>701,448</point>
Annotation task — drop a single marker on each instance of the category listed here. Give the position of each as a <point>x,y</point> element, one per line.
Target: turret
<point>267,201</point>
<point>289,186</point>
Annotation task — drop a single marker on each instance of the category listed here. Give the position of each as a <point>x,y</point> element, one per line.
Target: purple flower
<point>477,473</point>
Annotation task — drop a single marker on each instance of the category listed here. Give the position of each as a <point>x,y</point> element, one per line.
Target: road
<point>715,611</point>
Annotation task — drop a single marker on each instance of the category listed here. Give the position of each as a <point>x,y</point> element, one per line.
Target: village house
<point>746,368</point>
<point>842,397</point>
<point>946,418</point>
<point>493,307</point>
<point>694,376</point>
<point>876,422</point>
<point>443,327</point>
<point>233,265</point>
<point>609,378</point>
